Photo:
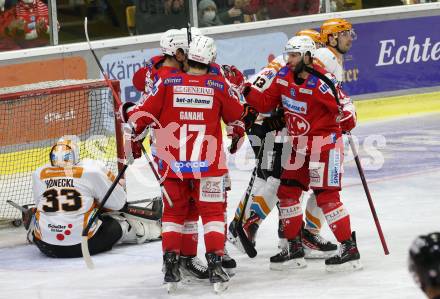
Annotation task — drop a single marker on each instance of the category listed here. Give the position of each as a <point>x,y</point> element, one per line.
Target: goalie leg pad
<point>314,216</point>
<point>265,198</point>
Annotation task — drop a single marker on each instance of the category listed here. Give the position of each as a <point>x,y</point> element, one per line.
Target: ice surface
<point>405,191</point>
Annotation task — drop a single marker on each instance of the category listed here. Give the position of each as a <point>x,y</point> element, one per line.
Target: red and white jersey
<point>310,108</point>
<point>66,197</point>
<point>144,78</point>
<point>264,78</point>
<point>187,110</point>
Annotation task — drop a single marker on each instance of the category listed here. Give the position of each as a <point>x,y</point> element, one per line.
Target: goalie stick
<point>248,246</point>
<point>356,158</point>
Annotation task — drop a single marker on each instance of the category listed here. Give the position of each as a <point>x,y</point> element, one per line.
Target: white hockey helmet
<point>194,31</point>
<point>172,40</point>
<point>65,152</point>
<point>202,49</point>
<point>300,44</point>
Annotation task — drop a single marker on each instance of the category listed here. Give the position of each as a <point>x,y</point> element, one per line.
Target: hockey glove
<point>234,76</point>
<point>123,111</point>
<point>275,122</point>
<point>235,131</point>
<point>248,116</point>
<point>132,144</point>
<point>348,121</point>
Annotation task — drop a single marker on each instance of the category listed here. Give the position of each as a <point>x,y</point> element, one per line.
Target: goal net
<point>34,116</point>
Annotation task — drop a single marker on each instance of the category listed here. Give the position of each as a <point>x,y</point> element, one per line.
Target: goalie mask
<point>65,152</point>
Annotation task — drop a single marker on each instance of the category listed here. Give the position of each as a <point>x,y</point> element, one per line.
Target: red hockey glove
<point>123,111</point>
<point>132,144</point>
<point>235,131</point>
<point>348,121</point>
<point>234,76</point>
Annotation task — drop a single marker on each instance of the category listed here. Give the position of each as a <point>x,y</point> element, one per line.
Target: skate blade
<point>220,287</point>
<point>189,279</point>
<point>298,263</point>
<point>345,267</point>
<point>318,254</point>
<point>171,287</point>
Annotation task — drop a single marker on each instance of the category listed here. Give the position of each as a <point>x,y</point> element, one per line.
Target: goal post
<point>34,116</point>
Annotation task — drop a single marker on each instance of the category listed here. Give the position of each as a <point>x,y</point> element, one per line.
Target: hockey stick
<point>17,206</point>
<point>248,246</point>
<point>134,202</point>
<point>117,98</point>
<point>357,160</point>
<point>156,175</point>
<point>84,243</point>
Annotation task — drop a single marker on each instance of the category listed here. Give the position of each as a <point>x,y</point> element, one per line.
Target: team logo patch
<point>296,124</point>
<point>293,105</point>
<point>212,189</point>
<point>172,81</point>
<point>292,92</point>
<point>316,174</point>
<point>215,84</point>
<point>192,101</point>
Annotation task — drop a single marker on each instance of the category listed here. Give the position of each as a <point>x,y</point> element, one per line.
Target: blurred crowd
<point>25,23</point>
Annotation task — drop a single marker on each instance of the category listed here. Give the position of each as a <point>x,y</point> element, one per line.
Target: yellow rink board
<point>367,110</point>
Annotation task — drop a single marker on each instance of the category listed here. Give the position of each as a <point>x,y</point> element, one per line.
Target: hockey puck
<point>17,222</point>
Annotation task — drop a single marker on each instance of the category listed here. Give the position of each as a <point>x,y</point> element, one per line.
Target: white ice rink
<point>405,191</point>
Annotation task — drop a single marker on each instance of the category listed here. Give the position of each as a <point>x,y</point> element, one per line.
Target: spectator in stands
<point>153,16</point>
<point>25,25</point>
<point>207,13</point>
<point>283,8</point>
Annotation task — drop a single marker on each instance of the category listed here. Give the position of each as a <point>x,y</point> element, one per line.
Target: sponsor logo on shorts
<point>334,168</point>
<point>189,166</point>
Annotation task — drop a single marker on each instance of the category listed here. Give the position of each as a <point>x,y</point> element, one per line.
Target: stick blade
<point>245,242</point>
<point>86,254</point>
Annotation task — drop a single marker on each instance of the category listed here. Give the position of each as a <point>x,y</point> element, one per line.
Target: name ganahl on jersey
<point>296,124</point>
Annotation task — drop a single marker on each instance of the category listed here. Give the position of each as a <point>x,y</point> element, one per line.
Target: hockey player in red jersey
<point>188,108</point>
<point>313,122</point>
<point>174,45</point>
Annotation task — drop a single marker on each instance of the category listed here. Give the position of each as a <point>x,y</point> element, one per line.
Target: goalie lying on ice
<point>67,192</point>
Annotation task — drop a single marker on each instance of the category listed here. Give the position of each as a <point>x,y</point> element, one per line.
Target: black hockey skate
<point>229,264</point>
<point>347,259</point>
<point>217,275</point>
<point>291,257</point>
<point>192,267</point>
<point>316,247</point>
<point>171,271</point>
